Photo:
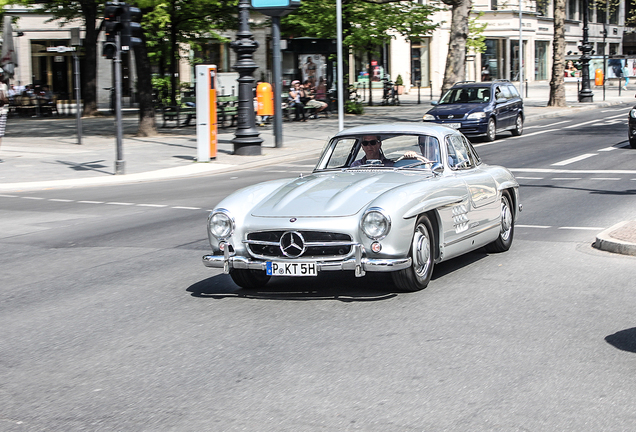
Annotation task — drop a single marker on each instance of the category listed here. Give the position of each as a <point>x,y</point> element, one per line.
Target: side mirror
<point>501,100</point>
<point>437,168</point>
<point>434,103</point>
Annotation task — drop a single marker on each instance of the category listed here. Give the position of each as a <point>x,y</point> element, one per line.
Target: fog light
<point>376,247</point>
<point>222,246</point>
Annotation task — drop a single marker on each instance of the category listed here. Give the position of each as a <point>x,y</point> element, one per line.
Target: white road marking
<point>549,125</point>
<point>533,226</point>
<point>606,149</point>
<point>581,124</point>
<point>582,228</point>
<point>567,178</point>
<point>32,198</point>
<point>152,205</point>
<point>91,202</point>
<point>566,171</point>
<point>120,203</point>
<point>616,110</point>
<point>9,196</point>
<point>186,208</point>
<point>529,178</point>
<point>606,178</point>
<point>531,134</point>
<point>61,200</point>
<point>574,159</point>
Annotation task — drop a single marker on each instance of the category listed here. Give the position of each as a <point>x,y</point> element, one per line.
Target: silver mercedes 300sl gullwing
<point>385,198</point>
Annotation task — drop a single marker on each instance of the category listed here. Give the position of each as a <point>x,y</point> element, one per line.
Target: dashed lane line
<point>574,159</point>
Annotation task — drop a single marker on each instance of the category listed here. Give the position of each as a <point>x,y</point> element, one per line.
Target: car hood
<point>332,194</point>
<point>458,110</point>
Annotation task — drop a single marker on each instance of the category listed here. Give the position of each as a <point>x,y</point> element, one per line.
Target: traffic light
<point>112,26</point>
<point>131,27</point>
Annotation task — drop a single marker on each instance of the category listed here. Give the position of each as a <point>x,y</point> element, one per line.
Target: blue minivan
<point>480,109</point>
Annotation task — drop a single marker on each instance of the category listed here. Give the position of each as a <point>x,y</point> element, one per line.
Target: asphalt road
<point>111,323</point>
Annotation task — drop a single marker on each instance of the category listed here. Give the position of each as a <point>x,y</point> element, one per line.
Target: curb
<point>619,239</point>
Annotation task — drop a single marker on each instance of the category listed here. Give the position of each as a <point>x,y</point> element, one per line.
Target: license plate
<point>453,125</point>
<point>290,269</point>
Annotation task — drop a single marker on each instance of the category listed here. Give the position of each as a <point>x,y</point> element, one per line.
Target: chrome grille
<point>314,244</point>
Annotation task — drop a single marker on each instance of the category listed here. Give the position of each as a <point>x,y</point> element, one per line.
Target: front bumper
<point>468,127</point>
<point>358,264</point>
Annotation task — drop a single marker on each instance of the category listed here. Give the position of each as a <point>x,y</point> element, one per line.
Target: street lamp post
<point>585,94</point>
<point>246,140</point>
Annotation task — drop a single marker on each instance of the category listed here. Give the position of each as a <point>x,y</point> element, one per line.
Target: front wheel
<point>491,131</point>
<point>507,226</point>
<point>422,255</point>
<point>518,130</point>
<point>249,279</point>
<point>632,141</point>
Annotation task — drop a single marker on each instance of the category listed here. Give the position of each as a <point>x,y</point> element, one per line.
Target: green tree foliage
<point>174,26</point>
<point>367,24</point>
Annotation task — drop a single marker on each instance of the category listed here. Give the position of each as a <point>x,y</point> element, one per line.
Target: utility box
<point>207,126</point>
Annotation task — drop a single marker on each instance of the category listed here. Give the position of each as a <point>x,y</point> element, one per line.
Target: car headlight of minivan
<point>632,113</point>
<point>221,224</point>
<point>477,115</point>
<point>428,117</point>
<point>375,223</point>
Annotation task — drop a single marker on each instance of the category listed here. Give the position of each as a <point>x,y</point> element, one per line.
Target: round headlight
<point>477,115</point>
<point>428,117</point>
<point>221,224</point>
<point>632,113</point>
<point>375,224</point>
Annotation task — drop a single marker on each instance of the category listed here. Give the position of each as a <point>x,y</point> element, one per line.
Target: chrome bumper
<point>359,265</point>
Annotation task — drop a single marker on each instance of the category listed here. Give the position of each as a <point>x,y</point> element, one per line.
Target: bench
<point>226,108</point>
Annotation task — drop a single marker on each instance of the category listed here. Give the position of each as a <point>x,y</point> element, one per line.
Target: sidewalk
<point>42,153</point>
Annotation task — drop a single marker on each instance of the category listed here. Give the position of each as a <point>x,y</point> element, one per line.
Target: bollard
<point>527,88</point>
<point>620,84</point>
<point>430,85</point>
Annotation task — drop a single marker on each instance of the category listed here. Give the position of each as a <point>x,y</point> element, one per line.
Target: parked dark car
<point>632,128</point>
<point>480,109</point>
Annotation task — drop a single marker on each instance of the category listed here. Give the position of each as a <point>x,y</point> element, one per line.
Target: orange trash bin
<point>598,77</point>
<point>264,100</point>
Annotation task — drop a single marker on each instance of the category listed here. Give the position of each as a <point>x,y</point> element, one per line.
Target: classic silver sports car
<point>386,198</point>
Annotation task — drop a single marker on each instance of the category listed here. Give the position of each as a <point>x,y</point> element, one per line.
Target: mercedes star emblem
<point>292,244</point>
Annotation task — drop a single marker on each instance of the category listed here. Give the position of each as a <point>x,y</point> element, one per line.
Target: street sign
<point>276,8</point>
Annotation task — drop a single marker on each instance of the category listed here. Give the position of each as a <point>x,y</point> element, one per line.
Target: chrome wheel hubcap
<point>421,251</point>
<point>506,219</point>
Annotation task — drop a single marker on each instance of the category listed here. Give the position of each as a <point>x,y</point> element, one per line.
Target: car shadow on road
<point>624,340</point>
<point>340,286</point>
<point>592,191</point>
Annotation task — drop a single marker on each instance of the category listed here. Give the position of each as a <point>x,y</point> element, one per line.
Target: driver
<point>372,147</point>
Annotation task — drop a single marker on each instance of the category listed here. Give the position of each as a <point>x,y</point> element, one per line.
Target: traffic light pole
<point>119,163</point>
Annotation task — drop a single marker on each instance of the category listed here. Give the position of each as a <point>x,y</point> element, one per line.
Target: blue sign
<point>277,8</point>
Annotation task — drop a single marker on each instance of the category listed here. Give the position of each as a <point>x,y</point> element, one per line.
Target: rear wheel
<point>507,226</point>
<point>249,279</point>
<point>491,130</point>
<point>422,254</point>
<point>518,130</point>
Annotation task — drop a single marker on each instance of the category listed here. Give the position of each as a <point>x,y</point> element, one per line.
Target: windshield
<point>381,151</point>
<point>466,95</point>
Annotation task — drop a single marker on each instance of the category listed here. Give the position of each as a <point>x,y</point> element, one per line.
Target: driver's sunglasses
<point>368,143</point>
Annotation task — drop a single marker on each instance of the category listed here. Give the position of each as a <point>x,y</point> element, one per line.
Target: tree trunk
<point>90,60</point>
<point>147,125</point>
<point>557,83</point>
<point>456,58</point>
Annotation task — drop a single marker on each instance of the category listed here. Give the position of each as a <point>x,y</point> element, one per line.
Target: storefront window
<point>52,66</point>
<point>514,59</point>
<point>217,54</point>
<point>490,60</point>
<point>419,63</point>
<point>377,66</point>
<point>541,60</point>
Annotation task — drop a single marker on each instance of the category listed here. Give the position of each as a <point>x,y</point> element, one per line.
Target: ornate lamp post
<point>246,140</point>
<point>585,94</point>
